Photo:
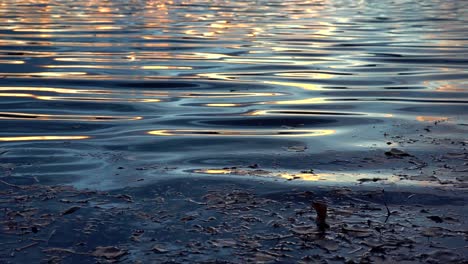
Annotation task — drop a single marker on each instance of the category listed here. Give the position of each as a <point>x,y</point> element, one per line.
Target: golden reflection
<point>11,92</point>
<point>305,86</point>
<point>38,138</point>
<point>11,62</point>
<point>54,90</point>
<point>223,105</point>
<point>303,176</point>
<point>78,66</point>
<point>298,112</point>
<point>214,75</point>
<point>76,98</point>
<point>240,133</point>
<point>160,67</point>
<point>285,175</point>
<point>96,99</point>
<point>244,172</point>
<point>85,59</point>
<point>450,88</point>
<point>210,56</point>
<point>225,95</point>
<point>53,74</point>
<point>310,75</point>
<point>108,27</point>
<point>268,60</point>
<point>316,100</point>
<point>215,171</point>
<point>431,118</point>
<point>14,115</point>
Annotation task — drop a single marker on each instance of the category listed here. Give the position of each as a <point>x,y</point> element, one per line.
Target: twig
<point>277,237</point>
<point>27,246</point>
<point>355,250</point>
<point>51,235</point>
<point>386,206</point>
<point>11,185</point>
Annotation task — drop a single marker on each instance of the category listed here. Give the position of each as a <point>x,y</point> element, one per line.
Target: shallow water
<point>106,94</point>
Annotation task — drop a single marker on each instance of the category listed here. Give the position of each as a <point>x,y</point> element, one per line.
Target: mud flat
<point>231,221</point>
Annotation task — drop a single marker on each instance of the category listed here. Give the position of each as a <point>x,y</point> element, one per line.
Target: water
<point>106,94</point>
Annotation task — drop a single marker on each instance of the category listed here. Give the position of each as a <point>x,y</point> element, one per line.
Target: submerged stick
<point>386,206</point>
<point>321,209</point>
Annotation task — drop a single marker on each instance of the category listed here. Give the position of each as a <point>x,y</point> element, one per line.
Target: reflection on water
<point>38,138</point>
<point>196,84</point>
<point>251,133</point>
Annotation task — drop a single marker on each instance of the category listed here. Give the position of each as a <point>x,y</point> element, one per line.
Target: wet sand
<point>232,221</point>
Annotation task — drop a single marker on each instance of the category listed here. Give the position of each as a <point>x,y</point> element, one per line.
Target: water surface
<point>106,94</point>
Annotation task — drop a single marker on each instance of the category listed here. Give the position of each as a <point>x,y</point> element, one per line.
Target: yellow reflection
<point>316,100</point>
<point>224,95</point>
<point>13,115</point>
<point>54,74</point>
<point>287,112</point>
<point>222,105</point>
<point>144,94</point>
<point>85,59</point>
<point>35,138</point>
<point>78,66</point>
<point>215,171</point>
<point>257,113</point>
<point>238,133</point>
<point>284,175</point>
<point>11,62</point>
<point>305,86</point>
<point>108,27</point>
<point>76,98</point>
<point>54,90</point>
<point>302,176</point>
<point>312,75</point>
<point>256,172</point>
<point>214,75</point>
<point>212,56</point>
<point>96,99</point>
<point>159,67</point>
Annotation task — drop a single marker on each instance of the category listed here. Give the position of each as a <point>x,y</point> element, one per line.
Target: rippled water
<point>115,93</point>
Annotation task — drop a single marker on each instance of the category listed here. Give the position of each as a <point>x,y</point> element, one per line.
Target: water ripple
<point>185,82</point>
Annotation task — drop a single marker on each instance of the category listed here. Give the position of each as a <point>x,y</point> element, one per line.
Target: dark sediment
<point>227,221</point>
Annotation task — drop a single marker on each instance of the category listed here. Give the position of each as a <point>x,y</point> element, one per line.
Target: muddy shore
<point>231,221</point>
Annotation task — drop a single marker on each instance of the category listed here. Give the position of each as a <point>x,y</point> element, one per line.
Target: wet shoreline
<point>207,220</point>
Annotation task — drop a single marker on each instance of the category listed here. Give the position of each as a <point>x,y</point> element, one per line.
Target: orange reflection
<point>431,118</point>
<point>450,88</point>
<point>37,138</point>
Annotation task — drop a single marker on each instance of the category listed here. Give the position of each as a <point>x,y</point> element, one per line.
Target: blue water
<point>105,94</point>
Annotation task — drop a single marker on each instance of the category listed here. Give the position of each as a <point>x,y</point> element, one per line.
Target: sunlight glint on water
<point>87,87</point>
